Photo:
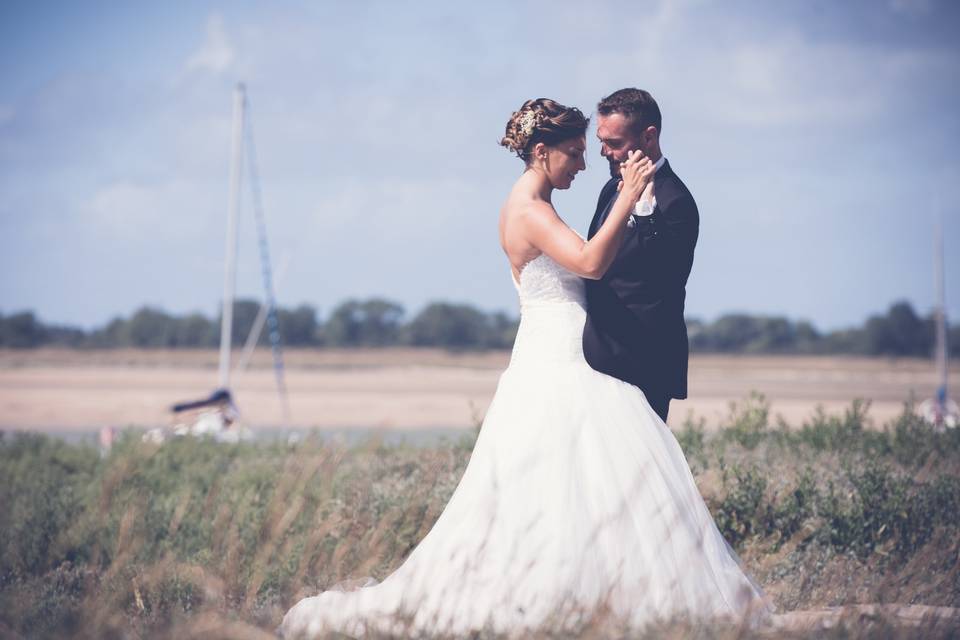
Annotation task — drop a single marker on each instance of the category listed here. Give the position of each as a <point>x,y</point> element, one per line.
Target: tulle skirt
<point>577,501</point>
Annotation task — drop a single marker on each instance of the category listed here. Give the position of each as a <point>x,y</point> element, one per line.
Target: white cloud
<point>216,55</point>
<point>128,211</point>
<point>373,203</point>
<point>122,208</point>
<point>797,82</point>
<point>777,78</point>
<point>729,68</point>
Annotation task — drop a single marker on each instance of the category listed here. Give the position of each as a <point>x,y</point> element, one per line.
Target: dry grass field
<point>851,532</point>
<point>67,390</point>
<point>849,520</point>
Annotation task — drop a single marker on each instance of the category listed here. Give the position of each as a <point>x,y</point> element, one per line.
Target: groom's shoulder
<point>672,188</point>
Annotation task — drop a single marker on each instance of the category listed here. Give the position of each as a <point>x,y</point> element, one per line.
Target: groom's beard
<point>614,168</point>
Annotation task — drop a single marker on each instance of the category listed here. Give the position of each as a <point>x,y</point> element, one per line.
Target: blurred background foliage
<point>378,322</point>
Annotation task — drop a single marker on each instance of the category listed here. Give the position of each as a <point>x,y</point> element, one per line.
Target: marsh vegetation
<point>194,538</point>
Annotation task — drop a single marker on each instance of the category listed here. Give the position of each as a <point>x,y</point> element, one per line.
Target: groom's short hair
<point>637,105</point>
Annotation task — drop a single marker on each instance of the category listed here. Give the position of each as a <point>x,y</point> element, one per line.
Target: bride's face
<point>564,160</point>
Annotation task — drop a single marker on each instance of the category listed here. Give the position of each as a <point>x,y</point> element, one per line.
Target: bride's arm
<point>589,259</point>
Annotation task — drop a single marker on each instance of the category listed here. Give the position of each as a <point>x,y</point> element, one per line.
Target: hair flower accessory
<point>528,121</point>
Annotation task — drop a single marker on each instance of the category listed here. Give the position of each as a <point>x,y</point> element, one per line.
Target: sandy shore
<point>65,390</point>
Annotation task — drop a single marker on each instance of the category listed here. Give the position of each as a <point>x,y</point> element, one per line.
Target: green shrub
<point>743,512</point>
<point>692,438</point>
<point>830,432</point>
<point>748,420</point>
<point>44,490</point>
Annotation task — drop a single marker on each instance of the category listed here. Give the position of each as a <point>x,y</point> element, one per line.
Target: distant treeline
<point>355,323</point>
<point>380,323</point>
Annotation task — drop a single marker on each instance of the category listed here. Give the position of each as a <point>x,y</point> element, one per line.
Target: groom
<point>635,329</point>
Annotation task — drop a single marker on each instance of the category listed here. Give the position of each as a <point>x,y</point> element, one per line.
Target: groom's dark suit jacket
<point>635,329</point>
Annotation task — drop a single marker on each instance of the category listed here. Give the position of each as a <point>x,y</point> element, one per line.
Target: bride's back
<point>513,239</point>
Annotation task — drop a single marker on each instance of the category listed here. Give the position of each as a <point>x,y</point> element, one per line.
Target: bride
<point>577,502</point>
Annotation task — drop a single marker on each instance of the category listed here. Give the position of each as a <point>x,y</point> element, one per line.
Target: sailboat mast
<point>941,397</point>
<point>233,205</point>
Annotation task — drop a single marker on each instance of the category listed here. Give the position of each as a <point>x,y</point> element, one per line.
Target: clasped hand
<point>636,175</point>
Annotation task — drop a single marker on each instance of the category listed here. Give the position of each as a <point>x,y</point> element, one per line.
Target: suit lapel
<point>603,215</point>
<point>602,212</point>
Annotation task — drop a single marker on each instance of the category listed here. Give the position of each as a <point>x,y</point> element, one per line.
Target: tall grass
<point>195,538</point>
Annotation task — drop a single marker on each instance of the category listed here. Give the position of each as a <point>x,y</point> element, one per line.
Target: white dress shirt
<point>645,207</point>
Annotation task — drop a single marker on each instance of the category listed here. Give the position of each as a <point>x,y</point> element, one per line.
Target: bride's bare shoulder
<point>519,220</point>
<point>515,219</point>
<point>521,208</point>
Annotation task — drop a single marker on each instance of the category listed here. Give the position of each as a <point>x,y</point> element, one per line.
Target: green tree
<point>373,322</point>
<point>900,332</point>
<point>111,335</point>
<point>150,327</point>
<point>195,330</point>
<point>244,315</point>
<point>731,332</point>
<point>503,331</point>
<point>299,326</point>
<point>21,331</point>
<point>442,324</point>
<point>806,337</point>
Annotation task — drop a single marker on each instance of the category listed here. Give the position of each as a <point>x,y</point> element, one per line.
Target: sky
<point>817,137</point>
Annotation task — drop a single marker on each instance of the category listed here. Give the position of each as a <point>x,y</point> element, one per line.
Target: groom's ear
<point>650,134</point>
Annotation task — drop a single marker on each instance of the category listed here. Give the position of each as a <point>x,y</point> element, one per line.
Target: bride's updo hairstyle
<point>542,120</point>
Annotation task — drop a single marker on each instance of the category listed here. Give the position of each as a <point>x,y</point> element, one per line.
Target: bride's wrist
<point>632,195</point>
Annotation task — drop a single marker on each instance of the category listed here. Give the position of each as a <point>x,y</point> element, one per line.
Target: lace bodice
<point>543,281</point>
<point>552,314</point>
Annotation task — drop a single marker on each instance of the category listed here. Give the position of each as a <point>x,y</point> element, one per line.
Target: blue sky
<point>819,139</point>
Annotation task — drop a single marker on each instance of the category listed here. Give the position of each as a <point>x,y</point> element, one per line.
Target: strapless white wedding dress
<point>577,499</point>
